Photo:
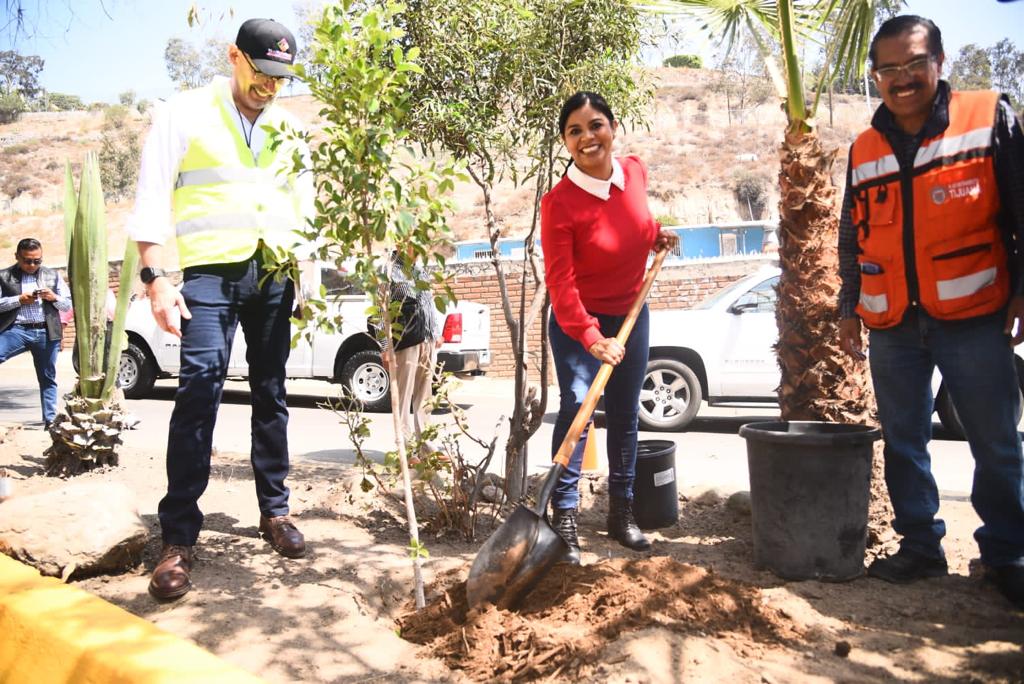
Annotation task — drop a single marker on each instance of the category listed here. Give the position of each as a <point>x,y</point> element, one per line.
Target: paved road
<point>710,454</point>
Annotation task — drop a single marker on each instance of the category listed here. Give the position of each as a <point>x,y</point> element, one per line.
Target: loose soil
<point>694,609</point>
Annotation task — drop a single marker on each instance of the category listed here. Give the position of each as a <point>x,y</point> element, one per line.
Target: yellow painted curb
<point>53,632</point>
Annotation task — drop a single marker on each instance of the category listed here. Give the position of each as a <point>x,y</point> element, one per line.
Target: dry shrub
<point>751,189</point>
<point>19,148</point>
<point>16,183</point>
<point>680,93</point>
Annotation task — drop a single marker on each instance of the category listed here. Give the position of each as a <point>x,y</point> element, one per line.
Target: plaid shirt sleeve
<point>849,272</point>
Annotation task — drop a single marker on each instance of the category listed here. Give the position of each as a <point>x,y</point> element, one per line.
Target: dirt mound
<point>575,613</point>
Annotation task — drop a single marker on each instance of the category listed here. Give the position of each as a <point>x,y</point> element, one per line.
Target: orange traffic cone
<point>590,450</point>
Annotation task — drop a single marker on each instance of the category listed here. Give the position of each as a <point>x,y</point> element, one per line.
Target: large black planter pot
<point>809,488</point>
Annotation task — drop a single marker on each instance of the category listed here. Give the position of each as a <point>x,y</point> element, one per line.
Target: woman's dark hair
<point>29,245</point>
<point>581,99</point>
<point>906,22</point>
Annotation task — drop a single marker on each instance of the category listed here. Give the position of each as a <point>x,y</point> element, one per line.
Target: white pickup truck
<point>721,351</point>
<point>350,356</point>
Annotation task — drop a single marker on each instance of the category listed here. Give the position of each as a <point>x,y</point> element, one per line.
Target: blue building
<point>477,250</point>
<point>722,239</point>
<point>705,241</point>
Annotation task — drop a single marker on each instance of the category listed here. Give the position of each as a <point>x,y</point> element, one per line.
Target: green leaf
<point>417,549</point>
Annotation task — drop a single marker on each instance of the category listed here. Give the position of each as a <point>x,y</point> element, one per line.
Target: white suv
<point>721,351</point>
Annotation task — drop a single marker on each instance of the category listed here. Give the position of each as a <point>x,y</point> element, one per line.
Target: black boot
<point>622,527</point>
<point>563,520</point>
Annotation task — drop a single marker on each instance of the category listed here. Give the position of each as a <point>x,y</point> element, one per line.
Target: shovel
<point>520,552</point>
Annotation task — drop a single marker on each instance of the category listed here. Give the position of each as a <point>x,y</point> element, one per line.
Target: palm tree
<point>819,382</point>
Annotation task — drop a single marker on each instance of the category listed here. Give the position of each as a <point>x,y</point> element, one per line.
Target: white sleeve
<point>150,220</point>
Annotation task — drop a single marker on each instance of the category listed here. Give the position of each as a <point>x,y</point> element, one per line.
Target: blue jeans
<point>576,368</point>
<point>17,339</point>
<point>976,362</point>
<point>220,297</point>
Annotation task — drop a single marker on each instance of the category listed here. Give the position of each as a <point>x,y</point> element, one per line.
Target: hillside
<point>693,153</point>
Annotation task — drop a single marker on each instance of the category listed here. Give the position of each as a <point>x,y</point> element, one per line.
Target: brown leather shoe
<point>171,576</point>
<point>283,536</point>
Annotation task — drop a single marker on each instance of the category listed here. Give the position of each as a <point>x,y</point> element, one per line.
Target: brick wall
<point>678,286</point>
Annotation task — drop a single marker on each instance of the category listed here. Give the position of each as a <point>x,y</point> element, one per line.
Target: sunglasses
<point>276,80</point>
<point>31,262</point>
<point>914,67</point>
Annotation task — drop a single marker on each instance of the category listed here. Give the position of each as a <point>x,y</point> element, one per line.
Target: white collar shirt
<point>602,189</point>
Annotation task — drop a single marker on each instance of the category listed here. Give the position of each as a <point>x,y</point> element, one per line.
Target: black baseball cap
<point>270,46</point>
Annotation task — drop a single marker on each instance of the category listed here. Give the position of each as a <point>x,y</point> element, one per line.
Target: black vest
<point>10,286</point>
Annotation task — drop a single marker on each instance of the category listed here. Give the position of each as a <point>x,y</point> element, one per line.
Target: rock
<point>359,484</point>
<point>6,486</point>
<point>492,494</point>
<point>818,634</point>
<point>843,648</point>
<point>711,497</point>
<point>739,503</point>
<point>84,528</point>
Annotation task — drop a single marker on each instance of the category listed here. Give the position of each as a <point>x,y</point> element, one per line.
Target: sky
<point>97,49</point>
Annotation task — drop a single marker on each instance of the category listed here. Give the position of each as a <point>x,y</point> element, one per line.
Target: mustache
<point>909,86</point>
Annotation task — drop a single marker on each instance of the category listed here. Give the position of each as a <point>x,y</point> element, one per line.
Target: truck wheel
<point>670,396</point>
<point>951,420</point>
<point>364,376</point>
<point>136,372</point>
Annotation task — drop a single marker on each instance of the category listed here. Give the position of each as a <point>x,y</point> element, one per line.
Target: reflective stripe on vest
<point>964,286</point>
<point>979,140</point>
<point>225,202</point>
<point>219,222</point>
<point>228,175</point>
<point>874,303</point>
<point>871,170</point>
<point>960,263</point>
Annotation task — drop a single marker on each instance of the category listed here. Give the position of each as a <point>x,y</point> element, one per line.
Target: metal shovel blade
<point>513,559</point>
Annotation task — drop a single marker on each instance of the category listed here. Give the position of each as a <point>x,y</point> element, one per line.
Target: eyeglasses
<point>276,80</point>
<point>32,262</point>
<point>914,67</point>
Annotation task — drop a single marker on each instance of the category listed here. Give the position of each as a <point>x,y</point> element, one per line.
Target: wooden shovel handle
<point>572,437</point>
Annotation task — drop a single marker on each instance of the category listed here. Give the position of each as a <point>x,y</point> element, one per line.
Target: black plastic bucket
<point>655,503</point>
<point>809,489</point>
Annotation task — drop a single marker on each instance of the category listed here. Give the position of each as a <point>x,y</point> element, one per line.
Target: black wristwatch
<point>149,274</point>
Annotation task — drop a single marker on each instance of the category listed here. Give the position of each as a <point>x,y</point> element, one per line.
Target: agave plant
<point>87,432</point>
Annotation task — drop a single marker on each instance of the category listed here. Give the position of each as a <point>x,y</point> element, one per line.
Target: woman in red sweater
<point>597,232</point>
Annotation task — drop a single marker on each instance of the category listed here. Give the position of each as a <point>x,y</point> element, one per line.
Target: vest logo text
<point>965,189</point>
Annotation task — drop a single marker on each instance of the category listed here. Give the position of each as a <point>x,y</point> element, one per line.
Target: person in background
<point>597,232</point>
<point>416,350</point>
<point>208,163</point>
<point>32,298</point>
<point>929,255</point>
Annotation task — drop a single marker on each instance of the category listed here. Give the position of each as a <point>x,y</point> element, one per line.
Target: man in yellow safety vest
<point>208,169</point>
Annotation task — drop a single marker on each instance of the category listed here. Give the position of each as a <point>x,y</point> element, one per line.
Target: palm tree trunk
<point>819,382</point>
